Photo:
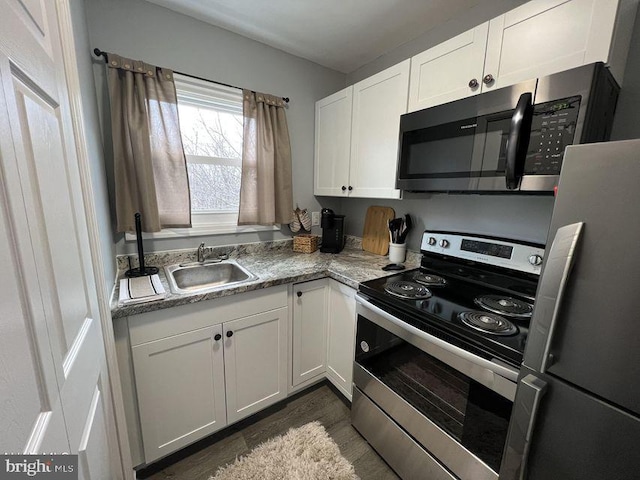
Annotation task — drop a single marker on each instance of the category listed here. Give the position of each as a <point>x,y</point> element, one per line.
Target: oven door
<point>455,404</point>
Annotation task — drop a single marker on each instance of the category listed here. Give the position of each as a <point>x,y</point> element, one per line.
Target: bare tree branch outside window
<point>214,181</point>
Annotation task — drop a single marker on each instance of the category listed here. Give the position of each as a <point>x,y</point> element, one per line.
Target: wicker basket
<point>305,243</point>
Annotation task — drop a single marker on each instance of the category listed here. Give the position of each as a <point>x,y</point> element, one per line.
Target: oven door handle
<point>498,369</point>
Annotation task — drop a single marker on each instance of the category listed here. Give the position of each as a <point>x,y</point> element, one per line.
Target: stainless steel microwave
<point>507,140</point>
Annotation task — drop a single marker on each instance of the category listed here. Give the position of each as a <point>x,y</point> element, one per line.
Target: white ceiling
<point>339,34</point>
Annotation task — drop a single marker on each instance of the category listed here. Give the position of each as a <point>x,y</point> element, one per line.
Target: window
<point>211,128</point>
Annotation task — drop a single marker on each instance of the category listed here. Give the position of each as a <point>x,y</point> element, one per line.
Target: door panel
<point>55,348</point>
<point>255,357</point>
<point>341,337</point>
<point>180,384</point>
<point>442,73</point>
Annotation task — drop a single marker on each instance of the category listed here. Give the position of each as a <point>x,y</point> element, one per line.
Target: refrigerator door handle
<point>525,409</point>
<point>553,284</point>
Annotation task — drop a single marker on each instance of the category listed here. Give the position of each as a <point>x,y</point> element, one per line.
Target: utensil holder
<point>397,252</point>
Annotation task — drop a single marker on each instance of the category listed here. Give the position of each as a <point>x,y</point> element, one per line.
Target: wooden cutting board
<point>375,238</point>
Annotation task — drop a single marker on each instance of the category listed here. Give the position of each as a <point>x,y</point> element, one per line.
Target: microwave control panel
<point>553,128</point>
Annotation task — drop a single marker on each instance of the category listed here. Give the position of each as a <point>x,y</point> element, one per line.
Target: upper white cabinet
<point>538,38</point>
<point>448,71</point>
<point>367,168</point>
<point>333,143</point>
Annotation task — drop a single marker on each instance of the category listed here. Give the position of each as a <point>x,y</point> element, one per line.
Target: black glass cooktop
<point>439,314</point>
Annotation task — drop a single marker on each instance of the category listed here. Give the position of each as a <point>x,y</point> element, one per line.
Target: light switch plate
<point>315,219</point>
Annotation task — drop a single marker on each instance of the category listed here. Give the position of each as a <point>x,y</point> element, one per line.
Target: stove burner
<point>429,279</point>
<point>410,290</point>
<point>488,323</point>
<point>505,305</point>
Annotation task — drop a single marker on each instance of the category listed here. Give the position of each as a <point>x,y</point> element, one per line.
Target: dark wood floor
<point>320,403</point>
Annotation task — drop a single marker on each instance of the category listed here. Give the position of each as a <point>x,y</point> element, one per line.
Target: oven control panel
<point>500,253</point>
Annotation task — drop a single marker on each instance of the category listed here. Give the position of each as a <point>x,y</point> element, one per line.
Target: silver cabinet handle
<point>488,78</point>
<point>525,410</point>
<point>552,287</point>
<point>473,83</point>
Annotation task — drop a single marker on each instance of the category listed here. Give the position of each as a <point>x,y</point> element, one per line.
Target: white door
<point>53,378</point>
<point>309,330</point>
<point>378,102</point>
<point>333,144</point>
<point>342,336</point>
<point>255,361</point>
<point>180,384</point>
<point>449,71</point>
<point>543,37</point>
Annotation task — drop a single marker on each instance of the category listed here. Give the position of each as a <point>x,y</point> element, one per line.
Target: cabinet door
<point>548,36</point>
<point>341,336</point>
<point>255,359</point>
<point>449,71</point>
<point>378,102</point>
<point>333,144</point>
<point>309,330</point>
<point>180,383</point>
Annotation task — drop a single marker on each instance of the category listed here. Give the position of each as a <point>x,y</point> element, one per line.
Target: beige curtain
<point>266,195</point>
<point>149,163</point>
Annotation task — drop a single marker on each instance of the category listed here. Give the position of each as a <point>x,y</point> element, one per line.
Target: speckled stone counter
<point>274,263</point>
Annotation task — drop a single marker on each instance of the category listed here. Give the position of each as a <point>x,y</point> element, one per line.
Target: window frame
<point>206,94</point>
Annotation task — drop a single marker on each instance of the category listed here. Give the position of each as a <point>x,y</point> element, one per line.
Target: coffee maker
<point>332,231</point>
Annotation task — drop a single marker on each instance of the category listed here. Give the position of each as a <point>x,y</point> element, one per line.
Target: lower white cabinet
<point>341,335</point>
<point>309,350</point>
<point>181,394</point>
<point>255,360</point>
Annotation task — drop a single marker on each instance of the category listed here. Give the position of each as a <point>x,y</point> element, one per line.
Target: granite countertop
<point>275,263</point>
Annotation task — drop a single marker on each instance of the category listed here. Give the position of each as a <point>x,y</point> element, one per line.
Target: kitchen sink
<point>206,277</point>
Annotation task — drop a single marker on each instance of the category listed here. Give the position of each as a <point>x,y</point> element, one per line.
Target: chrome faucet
<point>200,252</point>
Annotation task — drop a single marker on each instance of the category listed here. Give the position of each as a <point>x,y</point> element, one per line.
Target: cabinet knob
<point>343,188</point>
<point>299,294</point>
<point>350,188</point>
<point>229,334</point>
<point>488,79</point>
<point>217,337</point>
<point>473,83</point>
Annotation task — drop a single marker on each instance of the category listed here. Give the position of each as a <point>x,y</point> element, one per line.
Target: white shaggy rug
<point>305,453</point>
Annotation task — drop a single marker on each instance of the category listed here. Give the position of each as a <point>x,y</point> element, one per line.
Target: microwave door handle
<point>518,141</point>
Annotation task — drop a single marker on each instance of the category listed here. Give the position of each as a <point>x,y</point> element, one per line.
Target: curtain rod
<point>99,53</point>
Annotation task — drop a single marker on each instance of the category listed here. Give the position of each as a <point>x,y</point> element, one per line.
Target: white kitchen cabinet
<point>341,336</point>
<point>309,352</point>
<point>181,391</point>
<point>539,38</point>
<point>255,359</point>
<point>373,128</point>
<point>448,71</point>
<point>333,144</point>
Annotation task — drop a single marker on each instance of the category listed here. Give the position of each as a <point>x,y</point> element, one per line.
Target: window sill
<point>202,230</point>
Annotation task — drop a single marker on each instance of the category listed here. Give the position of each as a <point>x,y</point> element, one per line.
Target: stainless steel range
<point>438,351</point>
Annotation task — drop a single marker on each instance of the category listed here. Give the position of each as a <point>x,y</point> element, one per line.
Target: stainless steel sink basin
<point>206,277</point>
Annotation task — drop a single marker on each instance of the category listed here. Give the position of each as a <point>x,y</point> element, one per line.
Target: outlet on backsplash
<point>315,219</point>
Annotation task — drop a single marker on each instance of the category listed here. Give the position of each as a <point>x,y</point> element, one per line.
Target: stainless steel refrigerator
<point>576,414</point>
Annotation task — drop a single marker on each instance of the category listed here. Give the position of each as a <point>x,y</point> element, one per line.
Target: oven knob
<point>364,346</point>
<point>444,243</point>
<point>535,260</point>
<point>432,241</point>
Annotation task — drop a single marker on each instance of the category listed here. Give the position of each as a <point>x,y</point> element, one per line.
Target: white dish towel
<point>141,290</point>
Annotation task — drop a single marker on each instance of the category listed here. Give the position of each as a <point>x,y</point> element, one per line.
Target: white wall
<point>145,31</point>
<point>94,138</point>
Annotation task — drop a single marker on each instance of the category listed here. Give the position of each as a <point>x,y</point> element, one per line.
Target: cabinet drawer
<point>185,318</point>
